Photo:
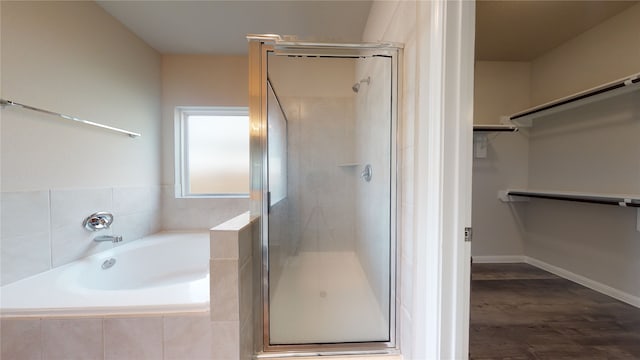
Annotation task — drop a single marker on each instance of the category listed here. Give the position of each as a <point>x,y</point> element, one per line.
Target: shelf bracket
<point>503,195</point>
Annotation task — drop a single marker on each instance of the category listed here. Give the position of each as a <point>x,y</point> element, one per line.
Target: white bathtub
<point>166,272</point>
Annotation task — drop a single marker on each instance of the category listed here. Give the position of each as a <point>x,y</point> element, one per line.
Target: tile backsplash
<point>198,213</point>
<point>41,230</point>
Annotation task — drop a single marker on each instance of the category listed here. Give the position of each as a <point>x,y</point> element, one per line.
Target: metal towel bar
<point>4,103</point>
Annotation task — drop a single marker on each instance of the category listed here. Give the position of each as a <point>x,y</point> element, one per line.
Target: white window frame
<point>181,150</point>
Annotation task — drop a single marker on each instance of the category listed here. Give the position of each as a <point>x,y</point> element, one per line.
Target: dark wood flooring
<point>521,312</point>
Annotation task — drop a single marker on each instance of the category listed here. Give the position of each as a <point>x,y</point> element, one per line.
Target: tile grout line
<point>104,335</point>
<point>50,232</point>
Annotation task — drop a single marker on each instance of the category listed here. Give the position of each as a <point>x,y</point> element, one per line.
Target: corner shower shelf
<point>4,102</point>
<point>605,91</point>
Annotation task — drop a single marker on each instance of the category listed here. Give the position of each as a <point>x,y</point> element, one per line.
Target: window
<point>212,152</point>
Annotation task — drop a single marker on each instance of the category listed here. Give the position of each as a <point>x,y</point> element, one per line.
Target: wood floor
<point>521,312</point>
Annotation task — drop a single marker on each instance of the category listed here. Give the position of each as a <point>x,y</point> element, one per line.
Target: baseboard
<point>498,259</point>
<point>591,284</point>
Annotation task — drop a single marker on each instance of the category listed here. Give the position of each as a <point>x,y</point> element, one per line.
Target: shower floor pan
<point>325,297</point>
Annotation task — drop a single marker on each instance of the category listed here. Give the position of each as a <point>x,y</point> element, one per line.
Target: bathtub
<point>167,272</point>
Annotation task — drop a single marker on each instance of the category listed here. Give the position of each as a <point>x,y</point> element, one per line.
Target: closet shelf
<point>608,90</point>
<point>604,199</point>
<point>348,165</point>
<point>494,128</point>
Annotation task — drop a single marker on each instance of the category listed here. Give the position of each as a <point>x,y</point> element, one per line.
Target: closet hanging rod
<point>619,86</point>
<point>4,102</point>
<point>495,128</point>
<point>583,198</point>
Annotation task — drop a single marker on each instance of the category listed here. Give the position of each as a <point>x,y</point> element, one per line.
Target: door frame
<point>444,133</point>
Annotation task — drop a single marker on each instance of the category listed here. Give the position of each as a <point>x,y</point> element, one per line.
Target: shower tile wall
<point>321,133</point>
<point>373,109</point>
<point>43,229</point>
<point>318,213</point>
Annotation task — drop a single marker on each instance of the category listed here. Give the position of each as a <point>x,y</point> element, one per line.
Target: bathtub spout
<point>113,239</point>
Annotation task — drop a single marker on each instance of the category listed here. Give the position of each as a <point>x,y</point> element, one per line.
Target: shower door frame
<point>260,46</point>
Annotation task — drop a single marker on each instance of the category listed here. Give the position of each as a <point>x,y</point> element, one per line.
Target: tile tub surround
<point>222,334</point>
<point>231,288</point>
<point>28,247</point>
<point>176,337</point>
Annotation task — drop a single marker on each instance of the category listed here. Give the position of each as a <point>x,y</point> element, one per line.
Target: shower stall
<point>323,185</point>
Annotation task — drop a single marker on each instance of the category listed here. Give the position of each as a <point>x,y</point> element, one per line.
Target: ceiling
<point>220,27</point>
<point>517,30</point>
<point>524,30</point>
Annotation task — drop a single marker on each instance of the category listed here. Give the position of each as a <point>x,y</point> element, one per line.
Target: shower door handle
<point>366,173</point>
<point>268,202</point>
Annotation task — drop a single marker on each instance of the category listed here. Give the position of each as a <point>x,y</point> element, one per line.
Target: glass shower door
<point>331,195</point>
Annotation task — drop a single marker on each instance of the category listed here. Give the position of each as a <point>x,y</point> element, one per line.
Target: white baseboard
<point>498,259</point>
<point>591,284</point>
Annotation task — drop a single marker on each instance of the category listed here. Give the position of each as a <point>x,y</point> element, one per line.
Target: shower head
<point>356,86</point>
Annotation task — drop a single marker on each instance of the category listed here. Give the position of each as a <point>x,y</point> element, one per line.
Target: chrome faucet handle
<point>366,173</point>
<point>98,221</point>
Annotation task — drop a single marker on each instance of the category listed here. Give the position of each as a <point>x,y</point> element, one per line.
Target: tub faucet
<point>113,239</point>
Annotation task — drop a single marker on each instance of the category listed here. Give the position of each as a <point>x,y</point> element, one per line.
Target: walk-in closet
<point>556,180</point>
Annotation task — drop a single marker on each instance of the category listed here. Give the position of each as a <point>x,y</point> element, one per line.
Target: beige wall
<point>198,80</point>
<point>605,53</point>
<point>590,149</point>
<point>74,58</point>
<point>501,88</point>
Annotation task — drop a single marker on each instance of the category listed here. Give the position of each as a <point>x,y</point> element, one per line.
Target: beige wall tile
<point>133,338</point>
<point>244,244</point>
<point>21,339</point>
<point>187,337</point>
<point>246,340</point>
<point>225,340</point>
<point>72,339</point>
<point>246,292</point>
<point>224,290</point>
<point>224,244</point>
